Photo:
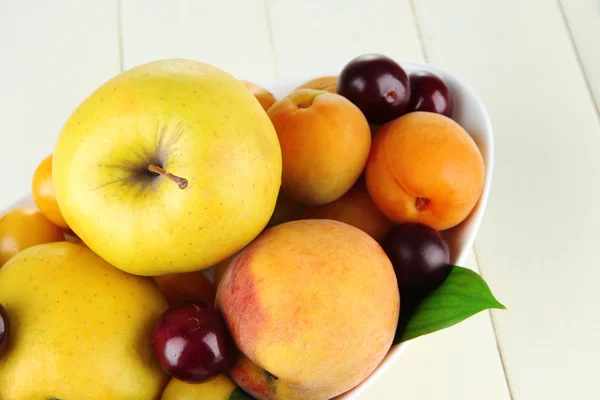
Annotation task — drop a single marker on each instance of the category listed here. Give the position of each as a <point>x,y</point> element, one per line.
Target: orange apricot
<point>327,83</point>
<point>42,189</point>
<point>264,97</point>
<point>424,167</point>
<point>355,208</point>
<point>325,142</point>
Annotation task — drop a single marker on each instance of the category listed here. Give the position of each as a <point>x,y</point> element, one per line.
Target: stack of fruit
<point>318,212</point>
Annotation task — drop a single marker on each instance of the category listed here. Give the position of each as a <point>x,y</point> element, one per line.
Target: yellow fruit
<point>80,328</point>
<point>169,167</point>
<point>24,227</point>
<point>219,388</point>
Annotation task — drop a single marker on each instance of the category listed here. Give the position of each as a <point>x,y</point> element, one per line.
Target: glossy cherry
<point>4,329</point>
<point>429,93</point>
<point>377,85</point>
<point>420,257</point>
<point>191,343</point>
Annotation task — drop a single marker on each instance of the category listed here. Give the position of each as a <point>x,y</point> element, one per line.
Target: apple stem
<point>181,182</point>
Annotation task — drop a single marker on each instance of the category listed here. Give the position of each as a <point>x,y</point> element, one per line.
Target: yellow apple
<point>80,328</point>
<point>219,388</point>
<point>171,166</point>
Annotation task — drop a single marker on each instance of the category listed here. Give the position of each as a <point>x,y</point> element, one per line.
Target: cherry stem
<point>181,182</point>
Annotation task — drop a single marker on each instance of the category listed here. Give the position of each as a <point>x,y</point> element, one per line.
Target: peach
<point>188,286</point>
<point>327,83</point>
<point>355,208</point>
<point>325,141</point>
<point>264,97</point>
<point>313,306</point>
<point>424,167</point>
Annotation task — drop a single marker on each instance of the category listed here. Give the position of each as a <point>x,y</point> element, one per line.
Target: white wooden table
<point>536,65</point>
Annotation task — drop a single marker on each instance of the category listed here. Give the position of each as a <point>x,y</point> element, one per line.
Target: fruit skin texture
<point>44,195</point>
<point>196,122</point>
<point>24,227</point>
<point>191,342</point>
<point>219,388</point>
<point>355,208</point>
<point>264,97</point>
<point>186,286</point>
<point>420,257</point>
<point>425,168</point>
<point>81,328</point>
<point>325,142</point>
<point>326,83</point>
<point>313,302</point>
<point>377,85</point>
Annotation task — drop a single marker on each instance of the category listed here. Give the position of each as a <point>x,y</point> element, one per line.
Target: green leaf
<point>463,294</point>
<point>239,394</point>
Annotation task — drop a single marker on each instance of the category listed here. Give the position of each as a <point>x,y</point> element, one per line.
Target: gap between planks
<point>582,68</point>
<point>269,27</point>
<point>120,35</point>
<point>493,322</point>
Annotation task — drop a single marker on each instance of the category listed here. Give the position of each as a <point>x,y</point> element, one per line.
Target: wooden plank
<point>583,18</point>
<point>54,54</point>
<point>461,362</point>
<point>538,243</point>
<point>231,35</point>
<point>314,35</point>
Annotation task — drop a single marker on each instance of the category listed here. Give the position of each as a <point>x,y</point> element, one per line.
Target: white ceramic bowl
<point>472,115</point>
<point>469,112</point>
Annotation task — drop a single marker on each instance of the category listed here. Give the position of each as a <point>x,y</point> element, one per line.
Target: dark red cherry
<point>420,257</point>
<point>377,85</point>
<point>191,342</point>
<point>428,92</point>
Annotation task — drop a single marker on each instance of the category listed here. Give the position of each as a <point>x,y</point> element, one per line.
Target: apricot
<point>25,227</point>
<point>325,141</point>
<point>355,208</point>
<point>187,286</point>
<point>313,306</point>
<point>424,167</point>
<point>264,97</point>
<point>42,189</point>
<point>327,83</point>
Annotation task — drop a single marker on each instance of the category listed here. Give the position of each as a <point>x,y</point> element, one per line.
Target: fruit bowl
<point>471,114</point>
